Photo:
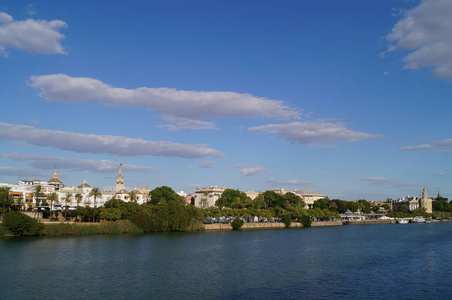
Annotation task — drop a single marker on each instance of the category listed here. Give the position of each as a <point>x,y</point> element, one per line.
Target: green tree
<point>323,203</point>
<point>110,213</point>
<point>19,224</point>
<point>37,193</point>
<point>19,203</point>
<point>53,197</point>
<point>78,197</point>
<point>290,199</point>
<point>67,199</point>
<point>164,194</point>
<point>132,196</point>
<point>95,193</point>
<point>237,223</point>
<point>6,198</point>
<point>232,199</point>
<point>364,205</point>
<point>287,220</point>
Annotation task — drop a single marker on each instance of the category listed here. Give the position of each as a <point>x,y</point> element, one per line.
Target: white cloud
<point>185,108</point>
<point>314,133</point>
<point>102,144</point>
<point>274,182</point>
<point>442,174</point>
<point>207,164</point>
<point>426,31</point>
<point>46,162</point>
<point>388,182</point>
<point>186,123</point>
<point>35,36</point>
<point>446,143</point>
<point>248,170</point>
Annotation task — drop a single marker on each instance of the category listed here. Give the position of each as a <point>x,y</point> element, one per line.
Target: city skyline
<point>349,99</point>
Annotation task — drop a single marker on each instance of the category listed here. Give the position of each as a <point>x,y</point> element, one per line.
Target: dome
<point>84,185</point>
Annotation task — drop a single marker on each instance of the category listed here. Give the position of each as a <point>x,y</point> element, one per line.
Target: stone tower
<point>426,202</point>
<point>119,180</point>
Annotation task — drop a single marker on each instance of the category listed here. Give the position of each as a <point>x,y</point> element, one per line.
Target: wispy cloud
<point>46,162</point>
<point>102,144</point>
<point>314,133</point>
<point>24,173</point>
<point>207,164</point>
<point>35,36</point>
<point>446,143</point>
<point>293,182</point>
<point>426,31</point>
<point>442,174</point>
<point>248,170</point>
<point>388,182</point>
<point>185,108</point>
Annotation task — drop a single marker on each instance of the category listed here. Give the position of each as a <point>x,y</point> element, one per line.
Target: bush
<point>306,221</point>
<point>237,223</point>
<point>287,220</point>
<point>19,224</point>
<point>104,227</point>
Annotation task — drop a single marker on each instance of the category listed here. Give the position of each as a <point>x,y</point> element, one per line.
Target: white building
<point>207,197</point>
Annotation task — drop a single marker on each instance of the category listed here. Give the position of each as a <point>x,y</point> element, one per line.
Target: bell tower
<point>119,180</point>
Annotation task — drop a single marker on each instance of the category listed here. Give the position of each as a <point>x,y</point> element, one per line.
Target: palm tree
<point>95,192</point>
<point>133,196</point>
<point>53,197</point>
<point>6,198</point>
<point>68,199</point>
<point>20,202</point>
<point>37,193</point>
<point>4,194</point>
<point>78,197</point>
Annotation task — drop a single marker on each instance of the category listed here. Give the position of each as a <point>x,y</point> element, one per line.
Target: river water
<point>390,261</point>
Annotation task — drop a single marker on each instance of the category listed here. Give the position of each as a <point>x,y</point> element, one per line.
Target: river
<point>390,261</point>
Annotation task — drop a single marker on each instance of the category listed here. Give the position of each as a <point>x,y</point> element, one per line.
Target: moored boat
<point>418,220</point>
<point>402,221</point>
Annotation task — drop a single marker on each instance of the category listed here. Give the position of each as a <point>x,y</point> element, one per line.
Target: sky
<point>351,99</point>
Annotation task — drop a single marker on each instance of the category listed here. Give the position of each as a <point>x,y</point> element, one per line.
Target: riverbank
<point>248,226</point>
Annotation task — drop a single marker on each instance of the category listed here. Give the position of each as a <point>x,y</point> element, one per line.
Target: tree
<point>19,224</point>
<point>364,205</point>
<point>163,194</point>
<point>6,198</point>
<point>237,223</point>
<point>20,203</point>
<point>233,199</point>
<point>287,220</point>
<point>53,197</point>
<point>68,199</point>
<point>133,196</point>
<point>95,193</point>
<point>323,203</point>
<point>110,214</point>
<point>78,197</point>
<point>292,199</point>
<point>37,193</point>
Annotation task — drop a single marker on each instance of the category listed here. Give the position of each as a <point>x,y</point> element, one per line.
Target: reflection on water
<point>369,261</point>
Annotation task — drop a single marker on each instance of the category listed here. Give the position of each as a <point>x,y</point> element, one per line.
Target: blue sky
<point>347,98</point>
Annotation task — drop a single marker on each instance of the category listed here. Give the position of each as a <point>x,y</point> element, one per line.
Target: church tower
<point>426,202</point>
<point>119,180</point>
<point>55,181</point>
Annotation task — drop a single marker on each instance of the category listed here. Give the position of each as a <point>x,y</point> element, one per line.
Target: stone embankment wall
<point>220,227</point>
<point>363,222</point>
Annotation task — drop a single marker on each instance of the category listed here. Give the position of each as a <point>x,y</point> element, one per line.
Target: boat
<point>402,221</point>
<point>429,221</point>
<point>418,220</point>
